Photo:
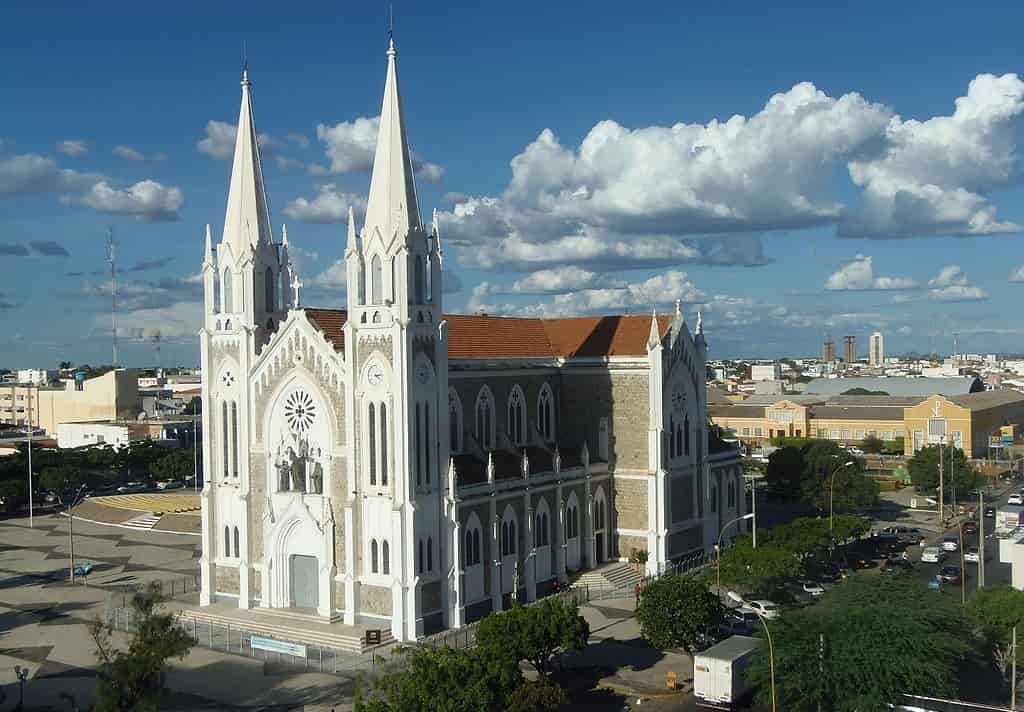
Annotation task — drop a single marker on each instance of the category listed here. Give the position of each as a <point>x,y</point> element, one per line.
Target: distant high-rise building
<point>850,349</point>
<point>828,352</point>
<point>876,350</point>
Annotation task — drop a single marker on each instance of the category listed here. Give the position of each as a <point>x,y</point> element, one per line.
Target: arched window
<point>372,421</point>
<point>234,439</point>
<point>227,541</point>
<point>730,493</point>
<point>225,435</point>
<point>376,281</point>
<point>686,435</point>
<point>454,422</point>
<point>671,436</point>
<point>516,415</point>
<point>237,554</point>
<point>373,556</point>
<point>476,545</point>
<point>485,419</point>
<point>420,567</point>
<point>361,289</point>
<point>504,538</point>
<point>546,413</point>
<point>226,293</point>
<point>677,434</point>
<point>282,289</point>
<point>430,553</point>
<point>426,442</point>
<point>268,286</point>
<point>417,465</point>
<point>386,557</point>
<point>714,498</point>
<point>417,280</point>
<point>384,446</point>
<point>467,552</point>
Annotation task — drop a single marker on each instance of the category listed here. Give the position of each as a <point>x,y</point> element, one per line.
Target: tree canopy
<point>803,473</point>
<point>175,465</point>
<point>883,637</point>
<point>675,610</point>
<point>535,633</point>
<point>958,473</point>
<point>760,570</point>
<point>872,444</point>
<point>995,611</point>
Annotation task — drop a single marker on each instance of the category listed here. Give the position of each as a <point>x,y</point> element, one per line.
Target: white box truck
<point>1009,517</point>
<point>719,673</point>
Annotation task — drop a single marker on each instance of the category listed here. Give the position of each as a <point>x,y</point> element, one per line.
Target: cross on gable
<point>296,286</point>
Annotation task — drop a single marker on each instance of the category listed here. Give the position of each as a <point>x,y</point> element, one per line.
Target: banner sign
<point>277,646</point>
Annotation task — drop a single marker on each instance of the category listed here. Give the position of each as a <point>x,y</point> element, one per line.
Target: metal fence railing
<point>294,653</point>
<point>120,595</point>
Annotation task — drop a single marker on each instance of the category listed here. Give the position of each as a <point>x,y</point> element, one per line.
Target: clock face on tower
<point>375,374</point>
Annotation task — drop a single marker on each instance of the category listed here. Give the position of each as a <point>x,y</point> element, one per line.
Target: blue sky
<point>792,169</point>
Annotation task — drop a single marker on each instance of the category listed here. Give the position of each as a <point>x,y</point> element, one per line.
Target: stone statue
<point>317,474</point>
<point>298,470</point>
<point>283,465</point>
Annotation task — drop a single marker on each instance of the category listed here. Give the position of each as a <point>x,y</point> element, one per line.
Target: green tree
<point>883,637</point>
<point>447,680</point>
<point>995,611</point>
<point>957,472</point>
<point>785,472</point>
<point>760,570</point>
<point>801,536</point>
<point>675,610</point>
<point>540,696</point>
<point>65,480</point>
<point>175,465</point>
<point>804,474</point>
<point>13,493</point>
<point>534,633</point>
<point>132,679</point>
<point>846,528</point>
<point>872,445</point>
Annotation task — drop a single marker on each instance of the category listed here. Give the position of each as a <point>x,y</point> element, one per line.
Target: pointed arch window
<point>227,542</point>
<point>282,289</point>
<point>671,436</point>
<point>383,446</point>
<point>454,422</point>
<point>417,279</point>
<point>517,416</point>
<point>420,561</point>
<point>361,289</point>
<point>374,564</point>
<point>430,553</point>
<point>485,419</point>
<point>416,456</point>
<point>376,280</point>
<point>686,435</point>
<point>467,551</point>
<point>268,286</point>
<point>372,437</point>
<point>225,440</point>
<point>546,413</point>
<point>226,293</point>
<point>237,549</point>
<point>234,439</point>
<point>385,558</point>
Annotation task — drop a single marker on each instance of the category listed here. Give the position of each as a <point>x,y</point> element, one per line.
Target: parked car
<point>949,574</point>
<point>129,487</point>
<point>767,609</point>
<point>1015,499</point>
<point>972,555</point>
<point>743,616</point>
<point>932,555</point>
<point>169,484</point>
<point>990,512</point>
<point>950,544</point>
<point>897,563</point>
<point>969,527</point>
<point>813,588</point>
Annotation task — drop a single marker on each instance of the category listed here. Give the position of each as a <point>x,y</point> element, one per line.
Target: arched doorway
<point>600,526</point>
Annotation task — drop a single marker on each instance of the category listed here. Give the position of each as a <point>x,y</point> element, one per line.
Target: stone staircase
<point>289,626</point>
<point>615,575</point>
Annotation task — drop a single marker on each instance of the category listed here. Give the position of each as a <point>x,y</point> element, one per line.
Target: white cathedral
<point>388,464</point>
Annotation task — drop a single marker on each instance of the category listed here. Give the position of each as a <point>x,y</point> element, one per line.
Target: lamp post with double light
<point>832,489</point>
<point>718,550</point>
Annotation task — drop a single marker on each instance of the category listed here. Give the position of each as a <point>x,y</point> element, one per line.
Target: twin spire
<point>247,221</point>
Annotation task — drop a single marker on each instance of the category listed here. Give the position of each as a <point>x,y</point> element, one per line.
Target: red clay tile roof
<point>477,336</point>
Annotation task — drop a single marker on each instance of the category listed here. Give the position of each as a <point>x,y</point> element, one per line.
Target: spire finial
<point>208,254</point>
<point>700,322</point>
<point>245,65</point>
<point>284,235</point>
<point>678,308</point>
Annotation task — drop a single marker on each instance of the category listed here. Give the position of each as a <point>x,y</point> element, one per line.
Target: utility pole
<point>1013,671</point>
<point>963,571</point>
<point>942,506</point>
<point>981,539</point>
<point>821,664</point>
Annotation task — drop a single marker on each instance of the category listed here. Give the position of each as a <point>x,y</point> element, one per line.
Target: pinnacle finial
<point>391,47</point>
<point>700,322</point>
<point>209,245</point>
<point>284,235</point>
<point>678,307</point>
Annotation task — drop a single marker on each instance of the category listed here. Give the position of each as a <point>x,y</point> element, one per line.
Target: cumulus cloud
<point>661,290</point>
<point>1017,275</point>
<point>548,281</point>
<point>147,200</point>
<point>334,277</point>
<point>300,140</point>
<point>859,275</point>
<point>350,146</point>
<point>130,154</point>
<point>329,205</point>
<point>72,147</point>
<point>49,248</point>
<point>933,176</point>
<point>32,174</point>
<point>146,295</point>
<point>287,164</point>
<point>177,321</point>
<point>220,141</point>
<point>951,285</point>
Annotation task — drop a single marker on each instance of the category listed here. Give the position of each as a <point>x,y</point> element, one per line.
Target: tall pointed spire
<point>247,221</point>
<point>654,336</point>
<point>392,206</point>
<point>352,245</point>
<point>208,252</point>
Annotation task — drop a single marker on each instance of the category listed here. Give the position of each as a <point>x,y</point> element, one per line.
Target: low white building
<point>72,435</point>
<point>765,372</point>
<point>36,376</point>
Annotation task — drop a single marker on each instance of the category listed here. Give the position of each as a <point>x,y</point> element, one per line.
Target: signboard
<point>1006,439</point>
<point>278,646</point>
<point>373,637</point>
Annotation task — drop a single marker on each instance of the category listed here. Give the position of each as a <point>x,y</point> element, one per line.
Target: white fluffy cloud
<point>951,285</point>
<point>329,205</point>
<point>220,141</point>
<point>72,147</point>
<point>350,146</point>
<point>933,176</point>
<point>334,277</point>
<point>32,174</point>
<point>177,321</point>
<point>859,275</point>
<point>130,154</point>
<point>147,200</point>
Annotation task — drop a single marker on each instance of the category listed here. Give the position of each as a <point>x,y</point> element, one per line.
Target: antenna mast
<point>113,290</point>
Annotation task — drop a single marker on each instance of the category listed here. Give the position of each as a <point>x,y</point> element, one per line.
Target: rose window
<point>299,411</point>
<point>678,398</point>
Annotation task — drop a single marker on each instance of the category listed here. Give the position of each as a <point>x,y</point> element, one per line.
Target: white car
<point>1015,499</point>
<point>169,484</point>
<point>950,544</point>
<point>972,555</point>
<point>815,589</point>
<point>766,609</point>
<point>932,555</point>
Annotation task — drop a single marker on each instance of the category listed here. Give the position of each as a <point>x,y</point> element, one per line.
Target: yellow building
<point>113,395</point>
<point>966,421</point>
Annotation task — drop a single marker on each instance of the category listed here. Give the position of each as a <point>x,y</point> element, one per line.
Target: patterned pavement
<point>163,502</point>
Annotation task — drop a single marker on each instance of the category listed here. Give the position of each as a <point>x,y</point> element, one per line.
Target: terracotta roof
<point>478,336</point>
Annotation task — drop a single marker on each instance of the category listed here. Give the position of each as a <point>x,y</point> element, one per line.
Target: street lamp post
<point>771,656</point>
<point>22,675</point>
<point>831,491</point>
<point>718,551</point>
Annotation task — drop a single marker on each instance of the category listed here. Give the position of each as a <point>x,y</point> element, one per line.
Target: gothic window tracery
<point>485,419</point>
<point>299,411</point>
<point>546,413</point>
<point>516,416</point>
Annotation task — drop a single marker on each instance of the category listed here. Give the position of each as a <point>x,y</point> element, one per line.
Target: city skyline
<point>596,181</point>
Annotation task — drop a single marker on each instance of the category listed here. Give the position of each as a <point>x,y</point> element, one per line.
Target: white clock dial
<point>375,375</point>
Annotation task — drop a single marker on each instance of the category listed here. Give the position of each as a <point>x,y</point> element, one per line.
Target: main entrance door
<point>305,587</point>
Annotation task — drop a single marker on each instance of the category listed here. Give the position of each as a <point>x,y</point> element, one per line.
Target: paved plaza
<point>43,623</point>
